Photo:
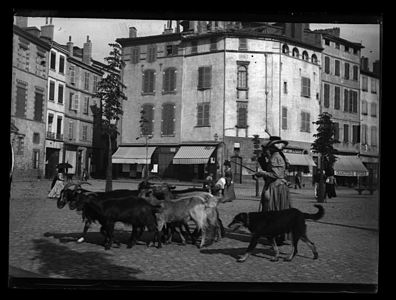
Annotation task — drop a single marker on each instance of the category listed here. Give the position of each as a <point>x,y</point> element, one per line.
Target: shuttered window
<point>346,133</point>
<point>151,53</point>
<point>147,125</point>
<point>168,119</point>
<point>203,114</point>
<point>86,105</point>
<point>305,87</point>
<point>84,133</point>
<point>337,97</point>
<point>243,44</point>
<point>336,131</point>
<point>373,136</point>
<point>327,65</point>
<point>204,78</point>
<point>355,134</point>
<point>242,77</point>
<point>36,158</point>
<point>355,72</point>
<point>305,122</point>
<point>52,91</point>
<point>346,74</point>
<point>21,94</point>
<point>71,130</point>
<point>38,106</point>
<point>72,75</point>
<point>86,81</point>
<point>149,81</point>
<point>53,60</point>
<point>60,93</point>
<point>242,114</point>
<point>284,117</point>
<point>326,95</point>
<point>364,134</point>
<point>346,101</point>
<point>373,109</point>
<point>337,68</point>
<point>61,64</point>
<point>169,80</point>
<point>135,56</point>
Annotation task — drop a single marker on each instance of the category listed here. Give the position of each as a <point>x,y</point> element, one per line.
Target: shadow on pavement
<point>59,260</point>
<point>265,253</point>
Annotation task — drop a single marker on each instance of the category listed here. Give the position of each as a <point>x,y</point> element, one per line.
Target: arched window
<point>169,80</point>
<point>314,59</point>
<point>305,55</point>
<point>148,118</point>
<point>168,119</point>
<point>242,77</point>
<point>295,52</point>
<point>285,49</point>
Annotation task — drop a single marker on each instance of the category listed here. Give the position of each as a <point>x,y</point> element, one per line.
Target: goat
<point>129,210</point>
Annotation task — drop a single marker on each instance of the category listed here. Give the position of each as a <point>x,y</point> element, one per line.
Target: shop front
<point>349,170</point>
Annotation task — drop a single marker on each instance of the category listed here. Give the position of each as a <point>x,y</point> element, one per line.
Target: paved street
<point>42,241</point>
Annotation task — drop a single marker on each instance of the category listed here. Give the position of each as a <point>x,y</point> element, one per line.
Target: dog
<point>273,223</point>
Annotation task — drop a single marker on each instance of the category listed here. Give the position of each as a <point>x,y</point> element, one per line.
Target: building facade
<point>28,100</point>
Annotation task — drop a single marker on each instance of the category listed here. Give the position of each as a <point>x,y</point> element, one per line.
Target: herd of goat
<point>159,208</point>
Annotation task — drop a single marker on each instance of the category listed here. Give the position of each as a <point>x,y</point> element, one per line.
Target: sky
<point>101,32</point>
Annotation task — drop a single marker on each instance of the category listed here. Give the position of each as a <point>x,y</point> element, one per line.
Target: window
<point>346,100</point>
<point>374,109</point>
<point>86,105</point>
<point>36,158</point>
<point>59,128</point>
<point>352,105</point>
<point>305,87</point>
<point>204,78</point>
<point>242,114</point>
<point>346,133</point>
<point>148,113</point>
<point>327,64</point>
<point>86,81</point>
<point>169,80</point>
<point>151,53</point>
<point>314,59</point>
<point>355,51</point>
<point>72,75</point>
<point>203,114</point>
<point>285,87</point>
<point>337,45</point>
<point>61,64</point>
<point>52,91</point>
<point>346,74</point>
<point>135,57</point>
<point>364,107</point>
<point>285,49</point>
<point>373,136</point>
<point>295,52</point>
<point>355,72</point>
<point>243,44</point>
<point>305,55</point>
<point>305,122</point>
<point>364,83</point>
<point>73,105</point>
<point>336,131</point>
<point>337,67</point>
<point>50,120</point>
<point>213,44</point>
<point>364,134</point>
<point>20,145</point>
<point>327,42</point>
<point>337,97</point>
<point>373,86</point>
<point>23,56</point>
<point>60,93</point>
<point>171,50</point>
<point>168,119</point>
<point>355,134</point>
<point>21,94</point>
<point>71,101</point>
<point>346,49</point>
<point>71,130</point>
<point>95,84</point>
<point>149,81</point>
<point>41,63</point>
<point>242,77</point>
<point>53,60</point>
<point>284,117</point>
<point>355,102</point>
<point>194,47</point>
<point>84,133</point>
<point>36,138</point>
<point>38,105</point>
<point>326,95</point>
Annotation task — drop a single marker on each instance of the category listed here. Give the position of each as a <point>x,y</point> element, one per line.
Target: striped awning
<point>300,159</point>
<point>349,166</point>
<point>132,155</point>
<point>188,155</point>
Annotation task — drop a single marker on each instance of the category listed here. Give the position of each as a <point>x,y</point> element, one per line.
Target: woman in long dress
<point>58,186</point>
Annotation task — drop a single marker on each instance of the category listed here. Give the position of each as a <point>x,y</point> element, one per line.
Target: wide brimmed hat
<point>274,140</point>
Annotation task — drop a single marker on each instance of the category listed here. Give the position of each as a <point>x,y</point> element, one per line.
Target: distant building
<point>28,100</point>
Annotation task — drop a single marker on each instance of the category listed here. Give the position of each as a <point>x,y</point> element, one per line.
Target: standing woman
<point>275,195</point>
<point>58,185</point>
<point>229,192</point>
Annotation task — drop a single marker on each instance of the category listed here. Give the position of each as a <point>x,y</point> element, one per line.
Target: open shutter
<point>206,114</point>
<point>200,115</point>
<point>200,77</point>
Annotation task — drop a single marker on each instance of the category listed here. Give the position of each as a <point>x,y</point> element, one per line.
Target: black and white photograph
<point>187,153</point>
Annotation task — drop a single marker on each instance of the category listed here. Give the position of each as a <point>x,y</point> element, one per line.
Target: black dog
<point>273,223</point>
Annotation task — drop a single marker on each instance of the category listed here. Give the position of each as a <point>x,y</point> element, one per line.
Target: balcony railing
<point>59,136</point>
<point>54,136</point>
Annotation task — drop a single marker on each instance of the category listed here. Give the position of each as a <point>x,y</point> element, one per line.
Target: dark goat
<point>129,210</point>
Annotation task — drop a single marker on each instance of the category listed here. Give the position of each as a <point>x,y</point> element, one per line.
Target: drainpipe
<point>266,96</point>
<point>224,98</point>
<point>280,89</point>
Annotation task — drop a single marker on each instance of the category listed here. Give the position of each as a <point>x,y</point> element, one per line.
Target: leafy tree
<point>323,144</point>
<point>110,92</point>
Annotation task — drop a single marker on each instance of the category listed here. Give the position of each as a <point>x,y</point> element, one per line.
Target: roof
<point>30,37</point>
<point>338,39</point>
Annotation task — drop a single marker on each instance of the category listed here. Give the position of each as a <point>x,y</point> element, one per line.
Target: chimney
<point>21,22</point>
<point>193,25</point>
<point>364,64</point>
<point>177,26</point>
<point>33,31</point>
<point>47,31</point>
<point>202,27</point>
<point>132,32</point>
<point>377,67</point>
<point>69,45</point>
<point>168,27</point>
<point>335,31</point>
<point>87,51</point>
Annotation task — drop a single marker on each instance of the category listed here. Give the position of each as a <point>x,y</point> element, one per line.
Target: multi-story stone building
<point>369,118</point>
<point>28,100</point>
<point>208,90</point>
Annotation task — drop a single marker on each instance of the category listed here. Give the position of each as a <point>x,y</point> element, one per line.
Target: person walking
<point>297,180</point>
<point>225,184</point>
<point>57,185</point>
<point>275,194</point>
<point>330,185</point>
